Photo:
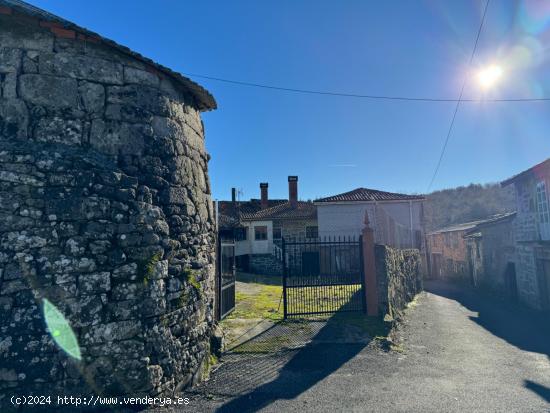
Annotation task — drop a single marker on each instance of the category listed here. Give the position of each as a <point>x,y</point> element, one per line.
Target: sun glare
<point>487,77</point>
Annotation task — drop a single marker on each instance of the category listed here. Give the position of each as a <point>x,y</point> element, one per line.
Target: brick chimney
<point>233,195</point>
<point>264,199</point>
<point>293,190</point>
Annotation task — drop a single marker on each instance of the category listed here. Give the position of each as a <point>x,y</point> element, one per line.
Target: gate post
<point>283,248</point>
<point>369,269</point>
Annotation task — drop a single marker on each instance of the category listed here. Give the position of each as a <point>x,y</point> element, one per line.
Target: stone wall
<point>105,211</point>
<point>399,278</point>
<point>526,232</point>
<point>265,264</point>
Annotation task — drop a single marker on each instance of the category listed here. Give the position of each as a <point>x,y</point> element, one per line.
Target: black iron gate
<point>226,277</point>
<point>323,276</point>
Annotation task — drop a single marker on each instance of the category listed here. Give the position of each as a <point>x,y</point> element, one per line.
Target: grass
<point>259,298</point>
<point>258,301</point>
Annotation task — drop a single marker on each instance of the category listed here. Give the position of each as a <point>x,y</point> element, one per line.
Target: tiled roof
<point>492,220</point>
<point>204,100</point>
<point>303,210</point>
<point>542,168</point>
<point>231,213</point>
<point>369,195</point>
<point>468,226</point>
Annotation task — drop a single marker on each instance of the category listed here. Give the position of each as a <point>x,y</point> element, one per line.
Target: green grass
<point>258,301</point>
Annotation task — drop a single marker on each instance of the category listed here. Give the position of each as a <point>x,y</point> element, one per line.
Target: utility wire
<point>357,95</point>
<point>459,98</point>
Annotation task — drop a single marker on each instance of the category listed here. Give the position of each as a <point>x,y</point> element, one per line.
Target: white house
<point>395,218</point>
<point>259,225</point>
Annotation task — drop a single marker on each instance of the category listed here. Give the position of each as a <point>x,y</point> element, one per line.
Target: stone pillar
<point>369,269</point>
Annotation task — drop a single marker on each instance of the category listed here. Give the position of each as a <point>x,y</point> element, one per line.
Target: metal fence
<point>322,276</point>
<point>226,277</point>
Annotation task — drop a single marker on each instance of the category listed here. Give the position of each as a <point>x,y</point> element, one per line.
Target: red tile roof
<point>369,195</point>
<point>303,210</point>
<point>231,213</point>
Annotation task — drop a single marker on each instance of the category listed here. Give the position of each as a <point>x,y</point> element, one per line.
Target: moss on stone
<point>191,279</point>
<point>146,268</point>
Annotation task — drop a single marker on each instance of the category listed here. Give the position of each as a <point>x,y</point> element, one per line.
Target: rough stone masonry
<point>105,211</point>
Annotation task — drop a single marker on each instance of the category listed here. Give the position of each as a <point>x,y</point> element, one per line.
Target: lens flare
<point>489,76</point>
<point>61,330</point>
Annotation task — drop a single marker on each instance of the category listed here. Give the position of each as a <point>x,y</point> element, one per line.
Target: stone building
<point>105,213</point>
<point>532,235</point>
<point>491,255</point>
<point>447,251</point>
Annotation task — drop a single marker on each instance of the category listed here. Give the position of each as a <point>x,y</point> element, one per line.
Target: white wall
<point>343,219</point>
<point>348,218</point>
<point>250,245</point>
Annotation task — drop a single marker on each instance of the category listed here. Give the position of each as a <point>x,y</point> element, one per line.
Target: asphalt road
<point>459,352</point>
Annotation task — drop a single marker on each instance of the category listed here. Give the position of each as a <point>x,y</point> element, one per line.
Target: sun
<point>489,76</point>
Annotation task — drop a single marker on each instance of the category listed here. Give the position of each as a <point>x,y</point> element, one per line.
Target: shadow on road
<point>539,389</point>
<point>526,329</point>
<point>291,372</point>
<point>289,358</point>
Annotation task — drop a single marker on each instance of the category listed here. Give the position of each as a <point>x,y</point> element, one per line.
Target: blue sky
<point>334,144</point>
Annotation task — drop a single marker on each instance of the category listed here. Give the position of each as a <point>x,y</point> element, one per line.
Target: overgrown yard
<point>259,309</point>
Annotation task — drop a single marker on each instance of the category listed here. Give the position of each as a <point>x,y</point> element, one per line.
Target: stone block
<point>112,137</point>
<point>10,60</point>
<point>58,130</point>
<point>8,85</point>
<point>94,283</point>
<point>141,77</point>
<point>19,35</point>
<point>81,67</point>
<point>49,91</point>
<point>14,119</point>
<point>92,96</point>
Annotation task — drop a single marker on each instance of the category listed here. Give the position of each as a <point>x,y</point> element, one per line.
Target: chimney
<point>293,190</point>
<point>233,195</point>
<point>264,200</point>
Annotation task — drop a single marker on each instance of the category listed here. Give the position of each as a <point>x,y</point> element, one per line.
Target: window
<point>543,213</point>
<point>277,233</point>
<point>542,203</point>
<point>241,233</point>
<point>260,233</point>
<point>448,240</point>
<point>312,232</point>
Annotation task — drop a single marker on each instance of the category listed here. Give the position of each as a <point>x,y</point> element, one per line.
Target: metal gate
<point>226,277</point>
<point>323,276</point>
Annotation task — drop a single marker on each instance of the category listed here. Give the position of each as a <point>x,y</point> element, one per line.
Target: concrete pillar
<point>369,270</point>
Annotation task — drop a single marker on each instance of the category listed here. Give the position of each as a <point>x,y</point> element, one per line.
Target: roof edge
<point>205,101</point>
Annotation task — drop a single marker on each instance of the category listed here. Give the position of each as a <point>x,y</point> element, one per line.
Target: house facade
<point>395,218</point>
<point>532,234</point>
<point>491,255</point>
<point>259,226</point>
<point>447,251</point>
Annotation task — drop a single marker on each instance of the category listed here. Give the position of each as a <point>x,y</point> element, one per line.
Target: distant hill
<point>467,203</point>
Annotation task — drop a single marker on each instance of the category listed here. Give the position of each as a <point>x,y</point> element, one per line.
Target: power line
<point>357,95</point>
<point>459,98</point>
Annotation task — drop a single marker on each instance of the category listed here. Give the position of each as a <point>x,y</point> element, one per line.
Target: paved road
<point>461,352</point>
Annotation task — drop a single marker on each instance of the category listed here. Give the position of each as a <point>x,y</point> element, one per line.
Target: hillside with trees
<point>467,203</point>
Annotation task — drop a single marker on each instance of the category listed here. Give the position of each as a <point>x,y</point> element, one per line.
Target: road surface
<point>457,351</point>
